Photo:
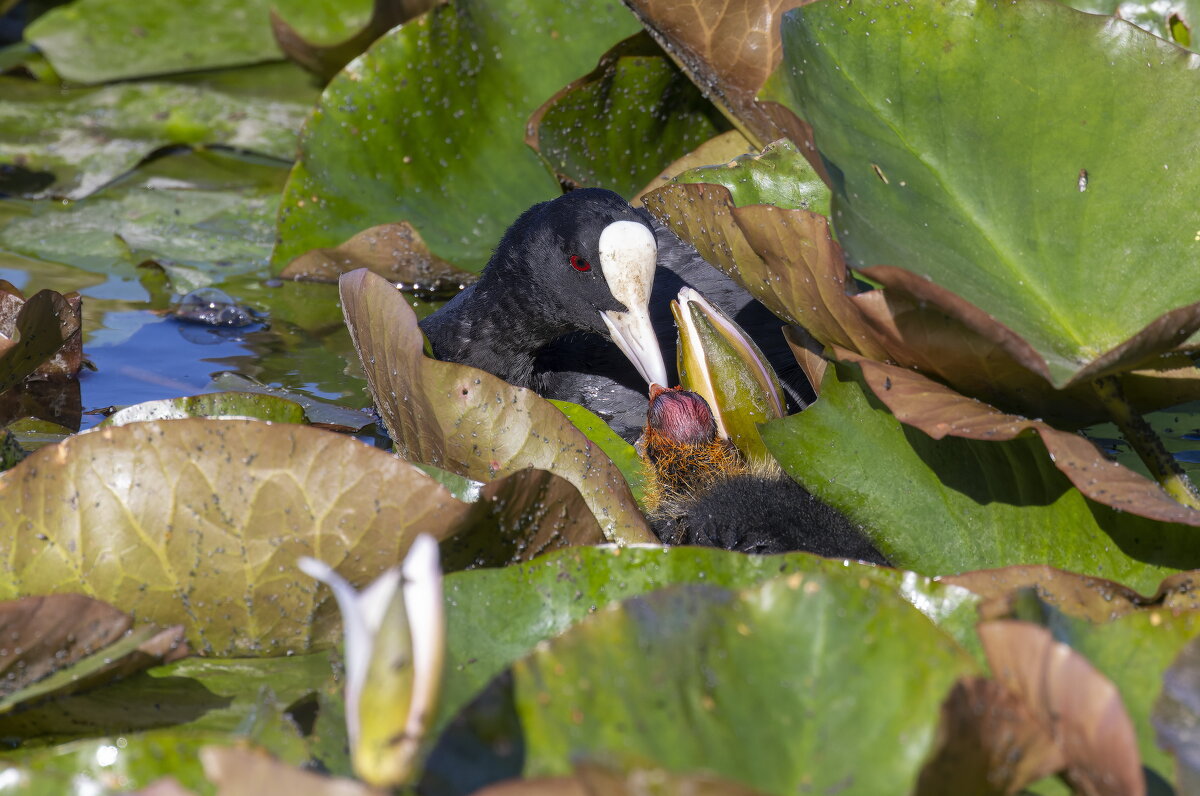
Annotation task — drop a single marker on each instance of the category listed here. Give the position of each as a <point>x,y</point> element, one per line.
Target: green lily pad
<point>543,599</point>
<point>316,411</point>
<point>97,41</point>
<point>227,404</point>
<point>784,687</point>
<point>470,422</point>
<point>618,126</point>
<point>952,505</point>
<point>210,211</point>
<point>1013,198</point>
<point>428,126</point>
<point>623,455</point>
<point>71,142</point>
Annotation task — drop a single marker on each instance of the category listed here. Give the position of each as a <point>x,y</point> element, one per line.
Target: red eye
<point>580,264</point>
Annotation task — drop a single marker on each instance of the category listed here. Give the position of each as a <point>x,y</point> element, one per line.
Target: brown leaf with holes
<point>471,422</point>
<point>988,744</point>
<point>394,251</point>
<point>40,337</point>
<point>326,60</point>
<point>1080,707</point>
<point>939,411</point>
<point>729,48</point>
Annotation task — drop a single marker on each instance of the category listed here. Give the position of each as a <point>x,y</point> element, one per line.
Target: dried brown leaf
<point>44,634</point>
<point>988,744</point>
<point>1080,707</point>
<point>394,251</point>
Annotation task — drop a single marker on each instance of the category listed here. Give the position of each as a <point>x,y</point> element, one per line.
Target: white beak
<point>628,255</point>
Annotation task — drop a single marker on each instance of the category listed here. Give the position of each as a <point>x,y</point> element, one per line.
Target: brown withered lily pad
<point>326,59</point>
<point>394,251</point>
<point>1080,707</point>
<point>40,336</point>
<point>939,411</point>
<point>730,48</point>
<point>988,742</point>
<point>470,422</point>
<point>1082,596</point>
<point>60,644</point>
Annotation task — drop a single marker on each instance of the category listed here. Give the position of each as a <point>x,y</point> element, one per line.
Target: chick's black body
<point>533,321</point>
<point>706,495</point>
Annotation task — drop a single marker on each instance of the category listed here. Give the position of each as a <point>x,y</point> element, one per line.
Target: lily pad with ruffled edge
<point>428,126</point>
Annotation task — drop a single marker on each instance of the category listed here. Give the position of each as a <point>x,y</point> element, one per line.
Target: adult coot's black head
<point>583,262</point>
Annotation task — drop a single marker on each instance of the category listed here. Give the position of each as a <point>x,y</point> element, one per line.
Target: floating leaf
<point>226,404</point>
<point>81,139</point>
<point>394,251</point>
<point>544,598</point>
<point>1027,223</point>
<point>325,52</point>
<point>623,455</point>
<point>468,421</point>
<point>210,516</point>
<point>619,125</point>
<point>97,41</point>
<point>428,126</point>
<point>719,149</point>
<point>842,669</point>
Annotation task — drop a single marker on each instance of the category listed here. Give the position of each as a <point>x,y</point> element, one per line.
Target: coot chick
<point>704,494</point>
<point>534,318</point>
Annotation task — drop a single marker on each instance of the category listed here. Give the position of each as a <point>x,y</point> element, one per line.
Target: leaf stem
<point>1149,445</point>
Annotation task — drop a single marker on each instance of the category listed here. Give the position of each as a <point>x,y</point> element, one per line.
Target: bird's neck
<point>492,329</point>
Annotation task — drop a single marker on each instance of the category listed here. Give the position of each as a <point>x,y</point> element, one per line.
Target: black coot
<point>562,307</point>
<point>705,495</point>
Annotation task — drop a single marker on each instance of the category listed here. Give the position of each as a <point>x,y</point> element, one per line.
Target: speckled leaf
<point>938,411</point>
<point>96,41</point>
<point>952,505</point>
<point>1176,716</point>
<point>619,125</point>
<point>1027,221</point>
<point>778,175</point>
<point>325,50</point>
<point>543,599</point>
<point>730,48</point>
<point>200,521</point>
<point>71,142</point>
<point>783,687</point>
<point>428,126</point>
<point>220,404</point>
<point>468,421</point>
